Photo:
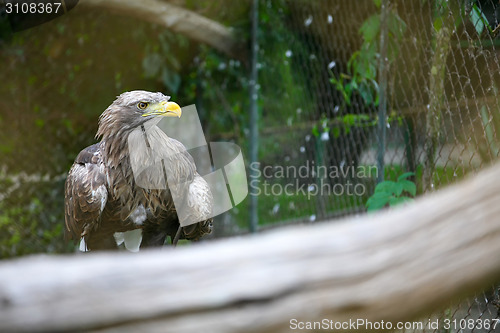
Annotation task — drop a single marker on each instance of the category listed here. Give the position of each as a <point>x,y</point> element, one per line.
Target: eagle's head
<point>132,109</point>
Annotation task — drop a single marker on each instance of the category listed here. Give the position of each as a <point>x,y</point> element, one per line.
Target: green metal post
<point>382,108</point>
<point>254,118</point>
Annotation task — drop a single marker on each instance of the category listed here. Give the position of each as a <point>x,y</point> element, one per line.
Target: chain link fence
<point>441,89</point>
<point>350,93</point>
<point>368,90</point>
<point>478,314</point>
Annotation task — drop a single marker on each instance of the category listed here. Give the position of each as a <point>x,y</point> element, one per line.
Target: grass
<point>280,207</point>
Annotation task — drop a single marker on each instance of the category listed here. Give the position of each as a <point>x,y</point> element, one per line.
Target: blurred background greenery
<point>59,76</point>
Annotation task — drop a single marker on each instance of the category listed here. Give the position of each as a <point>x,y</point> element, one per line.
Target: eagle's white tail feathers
<point>131,239</point>
<point>83,246</point>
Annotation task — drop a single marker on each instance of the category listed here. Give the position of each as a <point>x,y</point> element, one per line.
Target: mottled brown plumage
<point>102,196</point>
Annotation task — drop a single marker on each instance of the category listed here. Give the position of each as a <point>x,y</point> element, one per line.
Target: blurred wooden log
<point>179,20</point>
<point>392,266</point>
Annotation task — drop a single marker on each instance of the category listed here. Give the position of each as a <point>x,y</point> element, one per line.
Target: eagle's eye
<point>142,105</point>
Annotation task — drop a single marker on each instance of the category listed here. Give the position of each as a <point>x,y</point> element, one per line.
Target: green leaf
<point>351,86</point>
<point>348,119</point>
<point>32,80</point>
<point>377,3</point>
<point>39,122</point>
<point>366,93</point>
<point>400,121</point>
<point>375,85</point>
<point>372,207</point>
<point>409,187</point>
<point>438,23</point>
<point>315,131</point>
<point>370,28</point>
<point>460,18</point>
<point>398,189</point>
<point>353,60</point>
<point>378,201</point>
<point>396,25</point>
<point>15,238</point>
<point>380,196</point>
<point>339,85</point>
<point>405,175</point>
<point>387,186</point>
<point>476,19</point>
<point>398,201</point>
<point>336,132</point>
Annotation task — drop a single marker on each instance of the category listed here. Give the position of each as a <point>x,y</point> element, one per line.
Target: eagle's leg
<point>177,236</point>
<point>157,227</point>
<point>152,235</point>
<point>100,242</point>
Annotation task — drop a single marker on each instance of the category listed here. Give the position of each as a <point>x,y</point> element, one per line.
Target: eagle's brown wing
<point>86,193</point>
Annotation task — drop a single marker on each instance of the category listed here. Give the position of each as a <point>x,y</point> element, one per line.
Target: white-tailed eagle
<point>102,198</point>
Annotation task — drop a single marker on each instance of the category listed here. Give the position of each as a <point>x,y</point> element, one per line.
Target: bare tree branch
<point>180,20</point>
<point>393,266</point>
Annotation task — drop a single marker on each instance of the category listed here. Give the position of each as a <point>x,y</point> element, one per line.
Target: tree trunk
<point>179,20</point>
<point>393,266</point>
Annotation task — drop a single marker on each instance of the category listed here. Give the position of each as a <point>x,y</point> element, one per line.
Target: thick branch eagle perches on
<point>102,197</point>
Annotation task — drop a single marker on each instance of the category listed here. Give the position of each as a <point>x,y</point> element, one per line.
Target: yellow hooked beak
<point>165,109</point>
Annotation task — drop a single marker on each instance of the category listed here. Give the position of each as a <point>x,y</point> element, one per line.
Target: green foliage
<point>69,84</point>
<point>357,120</point>
<point>476,15</point>
<point>486,145</point>
<point>479,20</point>
<point>280,206</point>
<point>32,219</point>
<point>161,62</point>
<point>344,124</point>
<point>392,193</point>
<point>362,66</point>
